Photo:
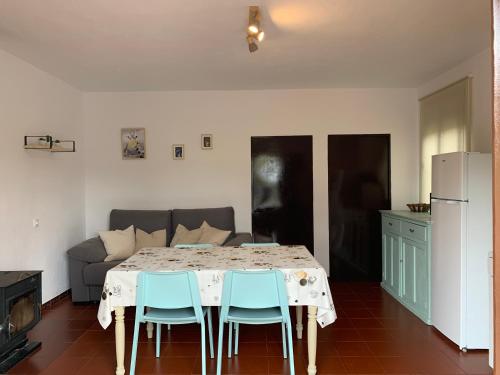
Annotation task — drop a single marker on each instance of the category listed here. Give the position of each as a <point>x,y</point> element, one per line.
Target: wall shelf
<point>48,143</point>
<point>63,146</point>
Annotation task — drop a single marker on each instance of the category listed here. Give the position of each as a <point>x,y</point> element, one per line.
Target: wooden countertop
<point>423,217</point>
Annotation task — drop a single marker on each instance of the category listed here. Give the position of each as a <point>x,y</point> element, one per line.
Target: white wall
<point>222,176</point>
<point>479,67</point>
<point>51,187</point>
<point>38,184</point>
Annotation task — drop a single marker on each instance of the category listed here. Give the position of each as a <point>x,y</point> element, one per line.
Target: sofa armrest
<point>238,239</point>
<point>90,251</point>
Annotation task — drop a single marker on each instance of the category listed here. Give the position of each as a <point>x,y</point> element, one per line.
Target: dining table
<point>305,279</point>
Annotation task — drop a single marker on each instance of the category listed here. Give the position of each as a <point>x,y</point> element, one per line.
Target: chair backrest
<point>260,244</point>
<point>168,290</point>
<point>194,246</point>
<point>254,289</point>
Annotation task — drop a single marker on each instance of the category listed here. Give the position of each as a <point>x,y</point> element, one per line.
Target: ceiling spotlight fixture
<point>255,33</point>
<point>252,46</point>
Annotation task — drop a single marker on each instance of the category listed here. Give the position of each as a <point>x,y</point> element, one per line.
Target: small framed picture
<point>207,142</point>
<point>178,152</point>
<point>133,143</point>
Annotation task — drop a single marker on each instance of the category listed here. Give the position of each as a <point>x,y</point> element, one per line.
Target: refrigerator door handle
<point>449,201</point>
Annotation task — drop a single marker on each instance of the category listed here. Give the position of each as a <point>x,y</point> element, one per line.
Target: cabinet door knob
<point>390,224</point>
<point>412,230</point>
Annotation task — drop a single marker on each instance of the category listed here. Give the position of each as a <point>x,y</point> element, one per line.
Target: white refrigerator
<point>462,224</point>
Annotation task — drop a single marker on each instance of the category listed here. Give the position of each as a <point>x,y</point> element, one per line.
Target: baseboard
<point>53,301</point>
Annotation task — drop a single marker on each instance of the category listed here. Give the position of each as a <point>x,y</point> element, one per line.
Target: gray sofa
<point>87,268</point>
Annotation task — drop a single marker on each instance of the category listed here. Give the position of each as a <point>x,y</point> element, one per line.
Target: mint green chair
<point>254,297</point>
<point>171,298</point>
<point>236,325</point>
<point>260,244</point>
<point>194,246</point>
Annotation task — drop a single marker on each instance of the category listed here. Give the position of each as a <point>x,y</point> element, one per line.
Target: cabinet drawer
<point>390,224</point>
<point>414,231</point>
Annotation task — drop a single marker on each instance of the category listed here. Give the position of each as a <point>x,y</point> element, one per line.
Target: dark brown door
<point>358,186</point>
<point>282,190</point>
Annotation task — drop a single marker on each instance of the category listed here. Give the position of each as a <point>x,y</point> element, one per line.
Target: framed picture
<point>178,152</point>
<point>133,143</point>
<point>207,142</point>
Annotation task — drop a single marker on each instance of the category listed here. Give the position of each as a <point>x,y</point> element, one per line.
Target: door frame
<point>496,179</point>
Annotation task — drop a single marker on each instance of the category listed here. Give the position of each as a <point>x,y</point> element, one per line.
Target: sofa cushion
<point>147,220</point>
<point>95,273</point>
<point>185,236</point>
<point>213,235</point>
<point>119,244</point>
<point>90,251</point>
<point>156,239</point>
<point>222,218</point>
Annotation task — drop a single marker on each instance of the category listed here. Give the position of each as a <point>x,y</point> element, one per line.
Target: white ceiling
<point>119,45</point>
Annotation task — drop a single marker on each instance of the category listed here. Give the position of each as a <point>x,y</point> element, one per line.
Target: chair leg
<point>133,356</point>
<point>230,340</point>
<point>237,337</point>
<point>219,346</point>
<point>283,335</point>
<point>210,332</point>
<point>290,348</point>
<point>158,339</point>
<point>203,350</point>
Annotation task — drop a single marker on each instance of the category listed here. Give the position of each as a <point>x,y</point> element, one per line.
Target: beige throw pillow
<point>154,239</point>
<point>185,236</point>
<point>213,235</point>
<point>119,244</point>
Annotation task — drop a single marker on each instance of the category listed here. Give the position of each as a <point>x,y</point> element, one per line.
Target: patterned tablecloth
<point>306,280</point>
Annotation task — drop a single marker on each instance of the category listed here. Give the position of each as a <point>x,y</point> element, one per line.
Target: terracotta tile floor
<point>373,335</point>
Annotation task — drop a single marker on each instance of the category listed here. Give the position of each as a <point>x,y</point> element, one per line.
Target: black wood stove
<point>20,311</point>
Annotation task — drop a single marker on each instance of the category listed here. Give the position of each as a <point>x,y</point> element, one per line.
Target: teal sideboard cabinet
<point>406,260</point>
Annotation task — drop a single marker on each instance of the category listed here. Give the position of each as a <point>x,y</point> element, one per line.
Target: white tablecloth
<point>306,280</point>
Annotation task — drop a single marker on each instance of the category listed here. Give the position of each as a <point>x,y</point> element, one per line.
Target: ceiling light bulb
<point>260,36</point>
<point>253,29</point>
